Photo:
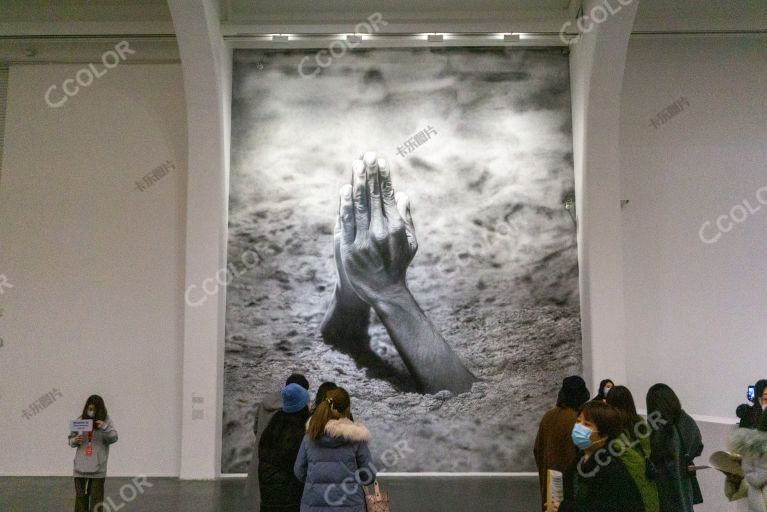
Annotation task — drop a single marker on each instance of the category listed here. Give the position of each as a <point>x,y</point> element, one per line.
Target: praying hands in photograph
<point>374,243</point>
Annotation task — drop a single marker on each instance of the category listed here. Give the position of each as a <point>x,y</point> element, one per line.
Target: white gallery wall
<point>696,311</point>
<point>96,264</point>
<point>695,301</point>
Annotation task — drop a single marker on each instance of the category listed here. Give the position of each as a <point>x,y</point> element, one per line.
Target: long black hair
<point>662,399</point>
<point>621,398</point>
<point>101,409</point>
<point>337,404</point>
<point>759,390</point>
<point>606,418</point>
<point>322,391</point>
<point>761,424</point>
<point>601,390</point>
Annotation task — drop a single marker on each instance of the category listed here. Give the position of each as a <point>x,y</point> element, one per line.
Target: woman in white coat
<point>751,445</point>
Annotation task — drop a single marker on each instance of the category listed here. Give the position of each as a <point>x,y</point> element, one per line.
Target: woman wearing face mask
<point>604,387</point>
<point>90,465</point>
<point>597,481</point>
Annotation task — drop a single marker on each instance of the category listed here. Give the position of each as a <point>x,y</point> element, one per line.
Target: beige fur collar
<point>747,441</point>
<point>348,429</point>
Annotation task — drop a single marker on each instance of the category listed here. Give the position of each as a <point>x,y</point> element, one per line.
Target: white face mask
<point>605,391</point>
<point>91,414</point>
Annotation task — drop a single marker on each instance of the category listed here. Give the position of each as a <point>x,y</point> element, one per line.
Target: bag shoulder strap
<point>376,489</point>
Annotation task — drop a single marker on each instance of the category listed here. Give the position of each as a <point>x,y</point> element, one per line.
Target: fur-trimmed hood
<point>749,442</point>
<point>343,431</point>
<point>347,429</point>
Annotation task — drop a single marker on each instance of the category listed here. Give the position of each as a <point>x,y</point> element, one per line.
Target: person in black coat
<point>749,414</point>
<point>674,443</point>
<point>278,448</point>
<point>597,480</point>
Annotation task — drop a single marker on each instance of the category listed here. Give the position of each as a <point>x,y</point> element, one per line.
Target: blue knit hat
<point>294,398</point>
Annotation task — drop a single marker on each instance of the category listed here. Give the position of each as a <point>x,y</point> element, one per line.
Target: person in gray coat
<point>267,408</point>
<point>90,464</point>
<point>334,459</point>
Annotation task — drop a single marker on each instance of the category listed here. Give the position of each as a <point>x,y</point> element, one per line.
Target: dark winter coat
<point>277,451</point>
<point>751,416</point>
<point>593,487</point>
<point>264,412</point>
<point>673,448</point>
<point>554,448</point>
<point>333,467</point>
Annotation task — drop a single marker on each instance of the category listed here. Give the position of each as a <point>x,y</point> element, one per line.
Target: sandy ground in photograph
<point>496,270</point>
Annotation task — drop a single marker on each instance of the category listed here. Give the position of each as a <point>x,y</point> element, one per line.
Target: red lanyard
<point>89,448</point>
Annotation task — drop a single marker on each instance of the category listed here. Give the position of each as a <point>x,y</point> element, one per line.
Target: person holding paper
<point>751,445</point>
<point>673,448</point>
<point>92,440</point>
<point>553,449</point>
<point>597,481</point>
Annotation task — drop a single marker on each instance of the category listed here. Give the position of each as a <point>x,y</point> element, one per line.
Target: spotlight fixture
<point>280,38</point>
<point>354,38</point>
<point>511,38</point>
<point>435,38</point>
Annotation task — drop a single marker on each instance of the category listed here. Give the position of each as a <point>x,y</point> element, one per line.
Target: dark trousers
<point>89,492</point>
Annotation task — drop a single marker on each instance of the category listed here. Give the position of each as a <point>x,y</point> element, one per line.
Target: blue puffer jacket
<point>333,467</point>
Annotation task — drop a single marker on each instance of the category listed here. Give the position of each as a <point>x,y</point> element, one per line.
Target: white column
<point>597,64</point>
<point>206,64</point>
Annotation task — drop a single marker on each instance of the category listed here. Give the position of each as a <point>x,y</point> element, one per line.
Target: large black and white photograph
<point>397,227</point>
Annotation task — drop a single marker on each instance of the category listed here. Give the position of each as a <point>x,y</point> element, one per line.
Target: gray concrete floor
<point>476,493</point>
<point>49,494</point>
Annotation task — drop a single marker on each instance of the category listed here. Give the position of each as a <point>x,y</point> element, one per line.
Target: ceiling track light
<point>311,40</point>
